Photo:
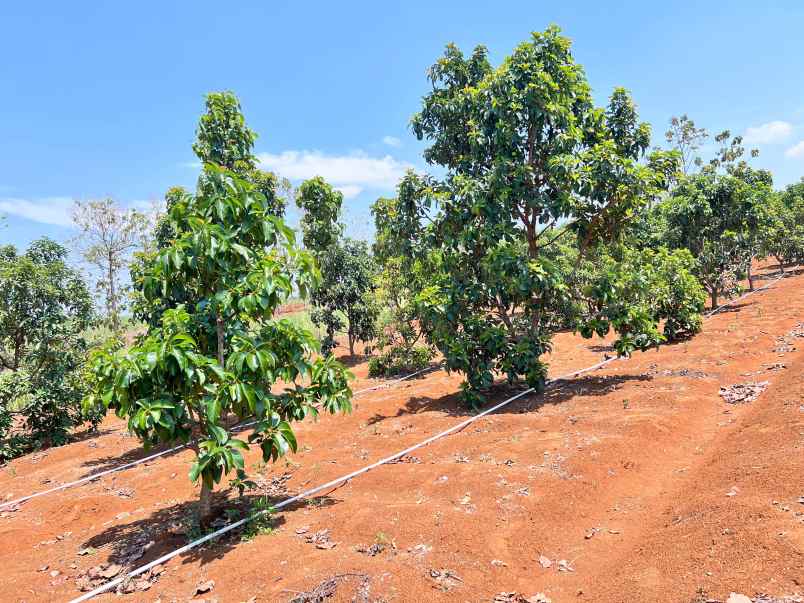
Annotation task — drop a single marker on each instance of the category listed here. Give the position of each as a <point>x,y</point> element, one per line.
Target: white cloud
<point>346,172</point>
<point>769,133</point>
<point>796,150</point>
<point>350,191</point>
<point>391,141</point>
<point>50,210</point>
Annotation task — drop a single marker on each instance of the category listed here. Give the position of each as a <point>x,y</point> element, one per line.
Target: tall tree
<point>230,263</point>
<point>108,234</point>
<point>524,149</point>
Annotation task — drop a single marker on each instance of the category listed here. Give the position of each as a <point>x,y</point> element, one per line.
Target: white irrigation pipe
<point>151,457</point>
<point>744,295</point>
<point>307,493</point>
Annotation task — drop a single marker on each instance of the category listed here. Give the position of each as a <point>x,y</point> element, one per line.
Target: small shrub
<point>398,360</point>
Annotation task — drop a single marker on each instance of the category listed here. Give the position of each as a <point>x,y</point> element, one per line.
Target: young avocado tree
<point>720,219</point>
<point>525,150</point>
<point>216,349</point>
<point>403,274</point>
<point>45,308</point>
<point>344,299</point>
<point>632,291</point>
<point>783,234</point>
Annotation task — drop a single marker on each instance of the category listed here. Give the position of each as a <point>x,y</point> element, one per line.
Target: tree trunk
<point>781,264</point>
<point>112,303</point>
<point>750,277</point>
<point>351,345</point>
<point>714,298</point>
<point>205,506</point>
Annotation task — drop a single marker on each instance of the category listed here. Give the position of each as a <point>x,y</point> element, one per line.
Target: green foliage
<point>400,359</point>
<point>216,350</point>
<point>44,309</point>
<point>404,273</point>
<point>224,139</point>
<point>321,205</point>
<point>262,524</point>
<point>344,300</point>
<point>719,218</point>
<point>634,292</point>
<point>782,235</point>
<point>525,150</point>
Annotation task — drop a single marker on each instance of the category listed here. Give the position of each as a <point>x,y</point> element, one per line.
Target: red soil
<point>639,476</point>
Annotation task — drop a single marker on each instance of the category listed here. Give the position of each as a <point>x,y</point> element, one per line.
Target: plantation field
<point>636,482</point>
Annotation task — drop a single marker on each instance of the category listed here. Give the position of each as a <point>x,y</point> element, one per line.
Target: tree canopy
<point>219,351</point>
<point>525,150</point>
<point>44,309</point>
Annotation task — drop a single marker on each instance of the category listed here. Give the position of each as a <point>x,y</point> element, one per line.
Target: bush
<point>400,360</point>
<point>635,291</point>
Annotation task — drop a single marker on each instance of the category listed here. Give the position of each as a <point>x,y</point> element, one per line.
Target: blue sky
<point>101,98</point>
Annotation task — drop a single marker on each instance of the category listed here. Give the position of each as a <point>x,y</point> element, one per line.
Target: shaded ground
<point>639,478</point>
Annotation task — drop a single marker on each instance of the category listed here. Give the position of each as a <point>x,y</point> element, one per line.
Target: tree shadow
<point>136,454</point>
<point>141,541</point>
<point>773,271</point>
<point>735,308</point>
<point>352,360</point>
<point>87,434</point>
<point>556,392</point>
<point>563,390</point>
<point>601,348</point>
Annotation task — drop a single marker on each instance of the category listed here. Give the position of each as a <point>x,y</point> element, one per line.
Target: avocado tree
<point>719,218</point>
<point>405,270</point>
<point>224,139</point>
<point>45,308</point>
<point>525,150</point>
<point>216,349</point>
<point>782,235</point>
<point>633,291</point>
<point>344,298</point>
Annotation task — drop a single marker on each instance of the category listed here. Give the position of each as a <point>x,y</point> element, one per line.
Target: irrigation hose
<point>155,455</point>
<point>330,484</point>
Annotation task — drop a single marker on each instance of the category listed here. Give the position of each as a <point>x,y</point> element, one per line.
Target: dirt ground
<point>634,483</point>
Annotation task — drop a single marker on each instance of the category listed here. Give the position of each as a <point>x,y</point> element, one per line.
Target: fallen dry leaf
<point>204,587</point>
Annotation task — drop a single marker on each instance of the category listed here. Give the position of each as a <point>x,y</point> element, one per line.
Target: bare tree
<point>686,138</point>
<point>109,233</point>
